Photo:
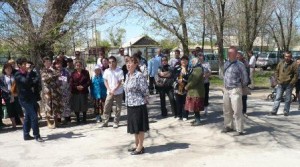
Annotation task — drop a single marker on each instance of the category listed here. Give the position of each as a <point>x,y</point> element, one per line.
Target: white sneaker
<point>184,119</point>
<point>115,125</point>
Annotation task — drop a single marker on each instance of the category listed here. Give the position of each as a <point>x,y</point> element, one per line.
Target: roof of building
<point>140,41</point>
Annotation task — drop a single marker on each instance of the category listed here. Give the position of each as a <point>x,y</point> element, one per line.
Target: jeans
<point>170,92</point>
<point>30,120</point>
<point>288,88</point>
<point>244,99</point>
<point>180,102</point>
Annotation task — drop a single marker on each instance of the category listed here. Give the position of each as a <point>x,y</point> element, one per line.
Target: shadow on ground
<point>166,147</point>
<point>67,135</point>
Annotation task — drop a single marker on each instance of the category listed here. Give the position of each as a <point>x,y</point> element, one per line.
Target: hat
<point>97,67</point>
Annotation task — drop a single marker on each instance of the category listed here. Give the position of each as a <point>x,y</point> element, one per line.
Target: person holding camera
<point>24,82</point>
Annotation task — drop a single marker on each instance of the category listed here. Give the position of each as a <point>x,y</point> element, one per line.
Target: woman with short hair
<point>136,91</point>
<point>7,81</point>
<point>79,83</point>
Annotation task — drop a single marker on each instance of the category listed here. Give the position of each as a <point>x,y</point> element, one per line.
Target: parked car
<point>268,59</point>
<point>213,61</point>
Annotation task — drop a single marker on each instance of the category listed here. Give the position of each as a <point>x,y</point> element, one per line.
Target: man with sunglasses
<point>113,77</point>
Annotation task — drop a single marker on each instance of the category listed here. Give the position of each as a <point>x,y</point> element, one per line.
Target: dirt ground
<point>269,141</point>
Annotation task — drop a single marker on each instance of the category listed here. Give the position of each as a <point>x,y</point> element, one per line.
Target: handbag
<point>246,90</point>
<point>13,89</point>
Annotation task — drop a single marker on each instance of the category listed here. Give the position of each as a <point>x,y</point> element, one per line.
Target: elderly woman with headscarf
<point>195,91</point>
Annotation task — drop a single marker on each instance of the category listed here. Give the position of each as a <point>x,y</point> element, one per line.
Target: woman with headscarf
<point>195,91</point>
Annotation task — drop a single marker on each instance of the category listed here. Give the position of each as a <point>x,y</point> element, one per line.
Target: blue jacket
<point>98,89</point>
<point>153,65</point>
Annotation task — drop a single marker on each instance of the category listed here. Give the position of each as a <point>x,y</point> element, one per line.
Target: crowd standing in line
<point>64,85</point>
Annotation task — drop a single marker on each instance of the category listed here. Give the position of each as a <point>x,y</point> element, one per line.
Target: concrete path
<point>269,142</point>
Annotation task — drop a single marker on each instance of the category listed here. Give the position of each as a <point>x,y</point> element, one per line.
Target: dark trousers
<point>180,102</point>
<point>151,84</point>
<point>170,93</point>
<point>1,115</point>
<point>30,120</point>
<point>206,87</point>
<point>244,100</point>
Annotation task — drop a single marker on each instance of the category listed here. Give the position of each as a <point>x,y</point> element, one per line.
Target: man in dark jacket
<point>25,80</point>
<point>164,82</point>
<point>286,75</point>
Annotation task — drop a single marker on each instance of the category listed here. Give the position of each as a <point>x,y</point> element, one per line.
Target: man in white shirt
<point>113,77</point>
<point>120,58</point>
<point>176,60</point>
<point>252,62</point>
<point>101,56</point>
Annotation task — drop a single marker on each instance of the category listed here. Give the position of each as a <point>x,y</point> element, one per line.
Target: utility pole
<point>203,32</point>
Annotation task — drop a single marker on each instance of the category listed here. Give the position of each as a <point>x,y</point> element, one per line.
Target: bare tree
<point>282,24</point>
<point>217,9</point>
<point>168,15</point>
<point>254,16</point>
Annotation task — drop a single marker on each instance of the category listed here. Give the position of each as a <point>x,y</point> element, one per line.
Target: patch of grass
<point>261,79</point>
<point>215,81</point>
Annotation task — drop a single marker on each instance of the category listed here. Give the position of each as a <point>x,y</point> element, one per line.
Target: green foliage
<point>168,44</point>
<point>104,43</point>
<point>116,36</point>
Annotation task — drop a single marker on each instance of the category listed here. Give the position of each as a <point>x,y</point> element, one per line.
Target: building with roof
<point>144,43</point>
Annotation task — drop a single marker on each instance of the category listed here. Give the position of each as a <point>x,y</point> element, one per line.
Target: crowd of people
<point>64,85</point>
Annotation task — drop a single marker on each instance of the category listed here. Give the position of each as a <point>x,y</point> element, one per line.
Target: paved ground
<point>270,141</point>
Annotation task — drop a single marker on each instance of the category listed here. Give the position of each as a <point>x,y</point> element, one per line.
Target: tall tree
<point>39,27</point>
<point>254,17</point>
<point>284,22</point>
<point>217,9</point>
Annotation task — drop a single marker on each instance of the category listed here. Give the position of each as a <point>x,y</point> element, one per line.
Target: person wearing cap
<point>120,58</point>
<point>79,58</point>
<point>98,92</point>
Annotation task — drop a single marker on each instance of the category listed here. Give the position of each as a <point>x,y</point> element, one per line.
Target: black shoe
<point>272,114</point>
<point>28,137</point>
<point>286,114</point>
<point>226,130</point>
<point>239,134</point>
<point>138,152</point>
<point>39,139</point>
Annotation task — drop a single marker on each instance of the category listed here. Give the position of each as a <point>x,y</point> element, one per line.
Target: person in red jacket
<point>79,83</point>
